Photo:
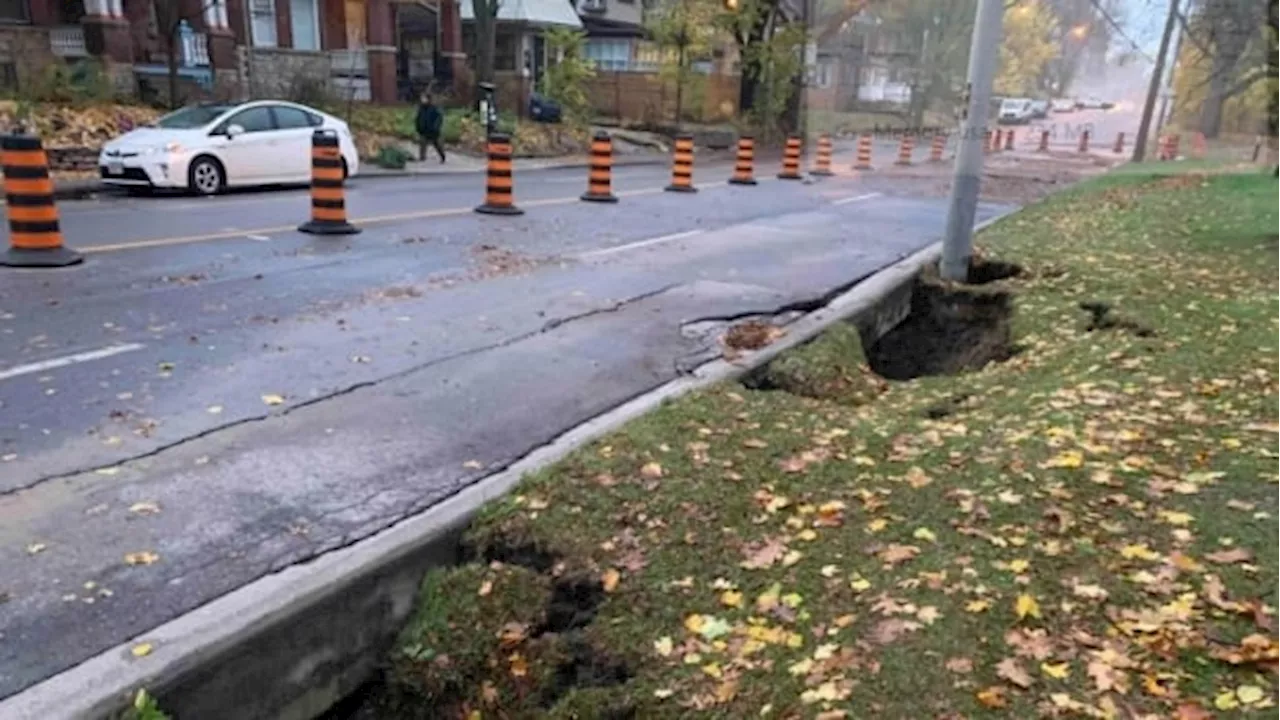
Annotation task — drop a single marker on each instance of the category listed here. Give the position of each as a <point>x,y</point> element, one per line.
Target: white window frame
<point>314,45</point>
<point>256,14</point>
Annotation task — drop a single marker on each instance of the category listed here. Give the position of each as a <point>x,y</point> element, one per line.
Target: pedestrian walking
<point>428,124</point>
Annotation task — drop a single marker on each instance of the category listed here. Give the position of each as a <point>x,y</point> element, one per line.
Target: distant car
<point>206,149</point>
<point>544,109</point>
<point>1039,109</point>
<point>1092,102</point>
<point>1014,111</point>
<point>1063,105</point>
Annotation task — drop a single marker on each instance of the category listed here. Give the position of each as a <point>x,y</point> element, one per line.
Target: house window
<point>305,21</point>
<point>609,54</point>
<point>263,19</point>
<point>507,46</point>
<point>13,11</point>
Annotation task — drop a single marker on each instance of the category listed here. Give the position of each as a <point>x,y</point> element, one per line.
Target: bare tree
<point>1231,35</point>
<point>486,24</point>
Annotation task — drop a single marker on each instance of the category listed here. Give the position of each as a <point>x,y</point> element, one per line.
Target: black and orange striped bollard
<point>937,147</point>
<point>986,141</point>
<point>863,161</point>
<point>1084,141</point>
<point>744,167</point>
<point>1044,141</point>
<point>1174,140</point>
<point>600,176</point>
<point>791,160</point>
<point>904,149</point>
<point>499,183</point>
<point>328,200</point>
<point>1008,139</point>
<point>998,145</point>
<point>1119,146</point>
<point>682,166</point>
<point>35,238</point>
<point>822,161</point>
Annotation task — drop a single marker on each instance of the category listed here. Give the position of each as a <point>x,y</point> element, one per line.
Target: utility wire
<point>1116,26</point>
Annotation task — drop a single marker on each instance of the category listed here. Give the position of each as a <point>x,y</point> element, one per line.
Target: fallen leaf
<point>1191,711</point>
<point>273,399</point>
<point>889,630</point>
<point>519,666</point>
<point>664,646</point>
<point>895,553</point>
<point>1091,592</point>
<point>765,554</point>
<point>141,650</point>
<point>992,697</point>
<point>1058,671</point>
<point>144,508</point>
<point>1249,694</point>
<point>1010,669</point>
<point>141,558</point>
<point>474,465</point>
<point>959,665</point>
<point>1138,552</point>
<point>1068,459</point>
<point>924,534</point>
<point>34,548</point>
<point>977,606</point>
<point>731,598</point>
<point>214,409</point>
<point>651,470</point>
<point>1025,606</point>
<point>486,587</point>
<point>609,580</point>
<point>1228,557</point>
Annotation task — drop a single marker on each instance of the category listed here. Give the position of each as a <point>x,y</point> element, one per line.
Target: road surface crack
<point>546,327</point>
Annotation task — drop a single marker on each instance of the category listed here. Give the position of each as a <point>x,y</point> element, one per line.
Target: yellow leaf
<point>924,534</point>
<point>859,583</point>
<point>141,649</point>
<point>877,525</point>
<point>992,697</point>
<point>977,606</point>
<point>829,571</point>
<point>475,715</point>
<point>664,646</point>
<point>651,470</point>
<point>1056,670</point>
<point>1025,606</point>
<point>928,614</point>
<point>610,579</point>
<point>791,558</point>
<point>713,670</point>
<point>141,558</point>
<point>273,399</point>
<point>792,600</point>
<point>694,623</point>
<point>825,651</point>
<point>1249,694</point>
<point>768,599</point>
<point>1226,700</point>
<point>801,668</point>
<point>807,535</point>
<point>1138,552</point>
<point>486,587</point>
<point>519,666</point>
<point>1019,566</point>
<point>1068,459</point>
<point>731,598</point>
<point>1176,518</point>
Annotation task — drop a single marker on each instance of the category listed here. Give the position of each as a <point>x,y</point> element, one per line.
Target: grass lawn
<point>1086,530</point>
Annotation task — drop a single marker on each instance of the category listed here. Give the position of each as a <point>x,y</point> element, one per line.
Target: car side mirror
<point>234,130</point>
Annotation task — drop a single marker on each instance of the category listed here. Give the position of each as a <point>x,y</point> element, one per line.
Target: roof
<point>533,12</point>
<point>603,27</point>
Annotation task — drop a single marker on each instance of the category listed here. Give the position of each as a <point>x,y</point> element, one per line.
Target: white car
<point>207,148</point>
<point>1014,111</point>
<point>1063,105</point>
<point>1092,102</point>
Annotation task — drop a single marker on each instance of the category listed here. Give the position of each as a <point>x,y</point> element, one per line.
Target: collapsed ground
<point>1086,529</point>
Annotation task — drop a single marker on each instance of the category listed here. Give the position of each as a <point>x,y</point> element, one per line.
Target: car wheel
<point>206,177</point>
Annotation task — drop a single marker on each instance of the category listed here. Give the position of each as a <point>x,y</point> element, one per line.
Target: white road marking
<point>259,238</point>
<point>640,244</point>
<point>65,360</point>
<point>855,198</point>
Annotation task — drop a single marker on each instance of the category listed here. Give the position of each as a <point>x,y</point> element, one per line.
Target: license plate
<point>115,168</point>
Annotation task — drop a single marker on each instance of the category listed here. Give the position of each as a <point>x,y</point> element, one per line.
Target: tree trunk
<point>680,85</point>
<point>1211,111</point>
<point>747,87</point>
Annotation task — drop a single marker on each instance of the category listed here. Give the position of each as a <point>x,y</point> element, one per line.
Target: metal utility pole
<point>1166,95</point>
<point>1157,79</point>
<point>984,47</point>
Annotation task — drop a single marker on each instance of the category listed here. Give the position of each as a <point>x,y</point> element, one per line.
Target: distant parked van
<point>1015,111</point>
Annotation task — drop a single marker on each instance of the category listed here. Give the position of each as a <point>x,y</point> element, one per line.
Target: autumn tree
<point>486,27</point>
<point>1228,46</point>
<point>1027,47</point>
<point>685,31</point>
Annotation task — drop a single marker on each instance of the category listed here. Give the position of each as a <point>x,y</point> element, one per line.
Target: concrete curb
<point>291,644</point>
<point>618,161</point>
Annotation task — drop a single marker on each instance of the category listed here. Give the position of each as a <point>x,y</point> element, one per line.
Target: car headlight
<point>173,147</point>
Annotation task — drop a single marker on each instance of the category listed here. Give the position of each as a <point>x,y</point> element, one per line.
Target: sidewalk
<point>1083,527</point>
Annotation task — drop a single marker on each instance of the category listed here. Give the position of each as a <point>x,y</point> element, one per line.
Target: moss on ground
<point>1089,530</point>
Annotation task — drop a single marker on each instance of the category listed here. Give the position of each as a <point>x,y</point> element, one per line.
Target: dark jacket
<point>429,121</point>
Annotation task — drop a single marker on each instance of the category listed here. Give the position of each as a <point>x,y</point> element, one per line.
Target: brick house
<point>359,49</point>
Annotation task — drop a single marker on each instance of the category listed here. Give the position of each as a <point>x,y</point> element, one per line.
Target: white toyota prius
<point>205,149</point>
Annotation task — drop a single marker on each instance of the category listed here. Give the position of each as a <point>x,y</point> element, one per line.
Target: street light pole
<point>957,247</point>
<point>1157,78</point>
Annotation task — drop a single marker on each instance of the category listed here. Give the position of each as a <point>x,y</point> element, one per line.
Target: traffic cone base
<point>55,257</point>
<point>328,227</point>
<point>681,188</point>
<point>487,209</point>
<point>610,198</point>
<point>821,173</point>
<point>740,181</point>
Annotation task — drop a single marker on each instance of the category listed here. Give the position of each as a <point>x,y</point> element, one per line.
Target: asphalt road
<point>215,396</point>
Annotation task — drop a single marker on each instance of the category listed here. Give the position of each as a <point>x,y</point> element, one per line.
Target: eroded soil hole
<point>950,328</point>
<point>1103,317</point>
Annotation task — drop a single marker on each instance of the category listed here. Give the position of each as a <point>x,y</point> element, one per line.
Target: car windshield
<point>191,117</point>
<point>1013,104</point>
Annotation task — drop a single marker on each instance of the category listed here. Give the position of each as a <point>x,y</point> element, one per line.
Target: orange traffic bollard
<point>35,238</point>
<point>863,161</point>
<point>328,201</point>
<point>1044,141</point>
<point>822,162</point>
<point>986,141</point>
<point>1198,145</point>
<point>904,149</point>
<point>791,160</point>
<point>998,145</point>
<point>499,184</point>
<point>935,149</point>
<point>600,175</point>
<point>1008,139</point>
<point>1084,141</point>
<point>1119,146</point>
<point>744,167</point>
<point>682,166</point>
<point>1173,146</point>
